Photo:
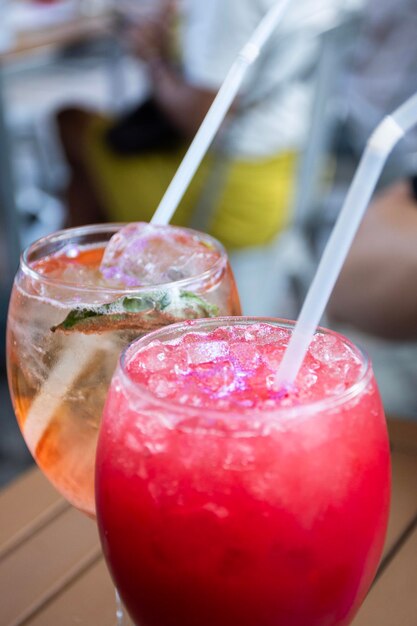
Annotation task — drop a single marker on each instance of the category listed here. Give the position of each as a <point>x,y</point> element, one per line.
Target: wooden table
<point>52,572</point>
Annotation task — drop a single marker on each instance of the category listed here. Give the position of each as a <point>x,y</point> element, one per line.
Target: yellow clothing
<point>248,203</point>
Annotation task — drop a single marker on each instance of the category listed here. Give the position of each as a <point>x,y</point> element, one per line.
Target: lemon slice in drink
<point>79,352</point>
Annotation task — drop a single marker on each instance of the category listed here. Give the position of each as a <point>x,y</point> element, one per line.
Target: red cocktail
<point>225,500</point>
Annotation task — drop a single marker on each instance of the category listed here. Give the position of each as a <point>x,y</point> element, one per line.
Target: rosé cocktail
<point>224,499</point>
<point>77,301</point>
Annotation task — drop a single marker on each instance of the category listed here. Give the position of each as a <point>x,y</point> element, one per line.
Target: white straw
<point>216,114</point>
<point>380,144</point>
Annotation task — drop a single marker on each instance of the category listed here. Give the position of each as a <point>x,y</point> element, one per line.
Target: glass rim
<point>65,234</point>
<point>327,403</point>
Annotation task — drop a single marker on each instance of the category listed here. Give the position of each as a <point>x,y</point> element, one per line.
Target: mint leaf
<point>137,304</point>
<point>140,313</point>
<point>74,317</point>
<point>199,304</point>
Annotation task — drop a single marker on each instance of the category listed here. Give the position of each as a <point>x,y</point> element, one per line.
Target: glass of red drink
<point>223,499</point>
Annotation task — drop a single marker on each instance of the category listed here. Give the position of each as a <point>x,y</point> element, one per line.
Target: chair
<point>303,243</point>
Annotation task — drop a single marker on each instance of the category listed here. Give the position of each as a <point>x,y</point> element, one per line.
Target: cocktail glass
<point>223,499</point>
<point>66,327</point>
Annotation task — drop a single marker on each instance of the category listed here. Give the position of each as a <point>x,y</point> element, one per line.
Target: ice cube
<point>156,358</point>
<point>219,381</point>
<point>161,386</point>
<point>329,349</point>
<point>207,352</point>
<point>272,355</point>
<point>246,355</point>
<point>143,254</point>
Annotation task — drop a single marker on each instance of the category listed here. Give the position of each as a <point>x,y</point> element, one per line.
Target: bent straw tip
<point>385,136</point>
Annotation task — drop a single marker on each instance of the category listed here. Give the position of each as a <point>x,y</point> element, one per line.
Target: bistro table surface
<point>52,571</point>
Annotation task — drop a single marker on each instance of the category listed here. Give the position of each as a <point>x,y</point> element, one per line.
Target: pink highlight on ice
<point>233,368</point>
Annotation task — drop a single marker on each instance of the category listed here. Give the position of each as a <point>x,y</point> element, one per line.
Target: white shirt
<point>274,100</point>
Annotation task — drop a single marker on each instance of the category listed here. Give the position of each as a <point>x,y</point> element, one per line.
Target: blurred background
<point>58,54</point>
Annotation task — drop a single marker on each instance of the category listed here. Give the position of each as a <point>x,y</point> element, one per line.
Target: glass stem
<point>119,609</point>
<point>122,618</point>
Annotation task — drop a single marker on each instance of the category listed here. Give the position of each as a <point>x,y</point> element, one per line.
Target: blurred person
<point>242,192</point>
